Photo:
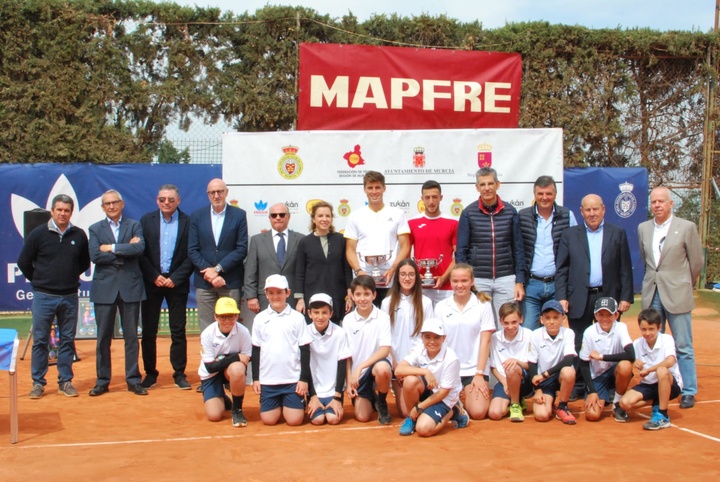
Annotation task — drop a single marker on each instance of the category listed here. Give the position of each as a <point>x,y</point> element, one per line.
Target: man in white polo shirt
<point>376,230</point>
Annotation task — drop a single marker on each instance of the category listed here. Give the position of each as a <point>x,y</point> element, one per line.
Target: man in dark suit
<point>166,271</point>
<point>593,261</point>
<point>217,246</point>
<point>116,245</point>
<point>271,252</point>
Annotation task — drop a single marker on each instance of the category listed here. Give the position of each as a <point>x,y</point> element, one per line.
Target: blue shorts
<point>214,387</point>
<point>550,386</point>
<point>526,388</point>
<point>323,411</point>
<point>604,383</point>
<point>436,411</point>
<point>650,391</point>
<point>468,380</point>
<point>278,396</point>
<point>366,384</point>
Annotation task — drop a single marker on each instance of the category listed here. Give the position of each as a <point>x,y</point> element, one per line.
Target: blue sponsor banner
<point>624,191</point>
<point>27,187</point>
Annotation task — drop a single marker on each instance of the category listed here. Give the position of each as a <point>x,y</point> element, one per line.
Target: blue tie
<point>281,249</point>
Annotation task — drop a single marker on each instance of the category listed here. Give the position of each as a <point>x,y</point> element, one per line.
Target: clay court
<point>165,436</point>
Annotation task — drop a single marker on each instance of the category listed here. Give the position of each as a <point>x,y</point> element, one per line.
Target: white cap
<point>276,281</point>
<point>433,325</point>
<point>320,298</point>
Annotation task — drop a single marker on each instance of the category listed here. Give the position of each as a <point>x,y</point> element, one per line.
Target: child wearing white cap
<point>281,350</point>
<point>431,385</point>
<point>329,352</point>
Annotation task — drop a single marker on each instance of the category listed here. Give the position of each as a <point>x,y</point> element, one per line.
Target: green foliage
<point>101,80</point>
<point>168,154</point>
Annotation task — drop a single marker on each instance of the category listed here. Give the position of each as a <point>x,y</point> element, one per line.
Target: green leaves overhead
<point>101,81</point>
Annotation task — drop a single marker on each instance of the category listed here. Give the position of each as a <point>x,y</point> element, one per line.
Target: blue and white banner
<point>624,191</point>
<point>27,187</point>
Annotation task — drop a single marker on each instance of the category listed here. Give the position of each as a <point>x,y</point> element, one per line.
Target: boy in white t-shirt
<point>606,360</point>
<point>660,379</point>
<point>281,348</point>
<point>329,352</point>
<point>431,384</point>
<point>551,356</point>
<point>509,364</point>
<point>225,354</point>
<point>369,337</point>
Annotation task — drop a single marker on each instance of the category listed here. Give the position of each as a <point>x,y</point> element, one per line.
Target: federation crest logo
<point>484,155</point>
<point>419,157</point>
<point>354,158</point>
<point>456,208</point>
<point>290,166</point>
<point>421,206</point>
<point>344,208</point>
<point>625,202</point>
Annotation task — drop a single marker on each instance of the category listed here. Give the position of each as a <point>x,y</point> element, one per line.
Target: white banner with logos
<point>299,167</point>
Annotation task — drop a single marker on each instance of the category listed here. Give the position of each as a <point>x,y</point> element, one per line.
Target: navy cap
<point>606,303</point>
<point>553,305</point>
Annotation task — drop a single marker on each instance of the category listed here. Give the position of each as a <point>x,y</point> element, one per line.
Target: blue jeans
<point>536,294</point>
<point>45,308</point>
<point>681,328</point>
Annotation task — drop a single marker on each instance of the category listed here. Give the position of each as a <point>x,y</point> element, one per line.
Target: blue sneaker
<point>407,427</point>
<point>460,418</point>
<point>658,421</point>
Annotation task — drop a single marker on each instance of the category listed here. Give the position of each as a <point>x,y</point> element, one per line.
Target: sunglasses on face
<point>277,215</point>
<point>168,199</point>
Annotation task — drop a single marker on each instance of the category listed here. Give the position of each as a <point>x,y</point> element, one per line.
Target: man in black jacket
<point>166,271</point>
<point>52,259</point>
<point>542,224</point>
<point>489,240</point>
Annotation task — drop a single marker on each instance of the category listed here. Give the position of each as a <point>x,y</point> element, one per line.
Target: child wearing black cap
<point>606,359</point>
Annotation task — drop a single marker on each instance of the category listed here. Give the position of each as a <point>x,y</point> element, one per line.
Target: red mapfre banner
<point>349,87</point>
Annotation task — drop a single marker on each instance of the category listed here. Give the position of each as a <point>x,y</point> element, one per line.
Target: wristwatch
<point>357,271</point>
<point>218,269</point>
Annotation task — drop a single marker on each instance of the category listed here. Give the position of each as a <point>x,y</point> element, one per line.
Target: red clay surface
<point>165,436</point>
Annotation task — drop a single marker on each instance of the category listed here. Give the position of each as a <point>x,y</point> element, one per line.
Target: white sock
<point>617,397</point>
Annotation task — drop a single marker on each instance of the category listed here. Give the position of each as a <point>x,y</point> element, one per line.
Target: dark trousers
<point>578,326</point>
<point>177,313</point>
<point>105,318</point>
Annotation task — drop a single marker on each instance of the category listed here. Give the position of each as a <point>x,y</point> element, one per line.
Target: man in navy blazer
<point>217,246</point>
<point>116,245</point>
<point>166,271</point>
<point>263,259</point>
<point>593,261</point>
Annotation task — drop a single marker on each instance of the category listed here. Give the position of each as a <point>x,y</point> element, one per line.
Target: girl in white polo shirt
<point>408,308</point>
<point>469,324</point>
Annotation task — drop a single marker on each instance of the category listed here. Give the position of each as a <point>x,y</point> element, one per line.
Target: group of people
<point>353,314</point>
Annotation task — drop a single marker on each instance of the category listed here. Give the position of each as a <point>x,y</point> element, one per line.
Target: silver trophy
<point>428,264</point>
<point>375,261</point>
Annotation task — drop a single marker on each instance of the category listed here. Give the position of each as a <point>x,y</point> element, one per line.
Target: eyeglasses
<point>216,193</point>
<point>168,199</point>
<point>278,215</point>
<point>112,203</point>
<point>406,275</point>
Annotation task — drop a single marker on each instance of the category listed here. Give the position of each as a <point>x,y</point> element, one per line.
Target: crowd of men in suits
<point>538,254</point>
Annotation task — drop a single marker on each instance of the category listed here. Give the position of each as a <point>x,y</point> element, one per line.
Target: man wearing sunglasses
<point>217,246</point>
<point>166,272</point>
<point>271,252</point>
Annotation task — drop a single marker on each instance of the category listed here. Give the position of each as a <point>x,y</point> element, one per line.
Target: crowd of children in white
<point>438,360</point>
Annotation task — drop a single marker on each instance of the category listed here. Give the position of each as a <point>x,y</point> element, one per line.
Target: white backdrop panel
<point>329,165</point>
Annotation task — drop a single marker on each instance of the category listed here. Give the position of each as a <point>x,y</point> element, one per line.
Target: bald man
<point>593,261</point>
<point>671,250</point>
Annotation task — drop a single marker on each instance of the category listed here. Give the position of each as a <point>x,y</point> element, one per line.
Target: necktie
<point>281,248</point>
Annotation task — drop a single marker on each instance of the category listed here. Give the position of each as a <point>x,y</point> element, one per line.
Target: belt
<point>544,279</point>
<point>595,289</point>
